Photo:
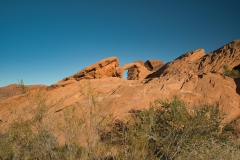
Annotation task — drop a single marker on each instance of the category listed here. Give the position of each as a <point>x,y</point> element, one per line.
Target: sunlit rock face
<point>194,77</point>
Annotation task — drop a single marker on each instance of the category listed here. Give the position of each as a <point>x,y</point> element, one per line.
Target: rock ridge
<point>190,63</point>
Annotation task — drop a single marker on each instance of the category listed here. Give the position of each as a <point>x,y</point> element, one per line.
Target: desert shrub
<point>34,133</point>
<point>21,87</point>
<point>29,145</point>
<point>72,127</point>
<point>29,136</point>
<point>95,117</point>
<point>170,130</point>
<point>5,148</point>
<point>234,73</point>
<point>78,152</point>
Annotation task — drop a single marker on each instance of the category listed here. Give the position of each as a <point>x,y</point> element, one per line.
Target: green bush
<point>169,130</point>
<point>6,151</point>
<point>234,73</point>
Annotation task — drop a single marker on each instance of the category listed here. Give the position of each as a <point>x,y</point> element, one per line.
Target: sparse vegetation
<point>234,73</point>
<point>21,87</point>
<point>167,130</point>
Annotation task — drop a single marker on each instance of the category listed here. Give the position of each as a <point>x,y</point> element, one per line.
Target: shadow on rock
<point>159,72</point>
<point>237,81</point>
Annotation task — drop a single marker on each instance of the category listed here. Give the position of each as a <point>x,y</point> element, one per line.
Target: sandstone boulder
<point>188,63</point>
<point>133,72</point>
<point>104,68</point>
<point>141,70</point>
<point>153,65</point>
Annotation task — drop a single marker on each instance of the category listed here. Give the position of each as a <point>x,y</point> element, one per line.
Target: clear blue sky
<point>43,41</point>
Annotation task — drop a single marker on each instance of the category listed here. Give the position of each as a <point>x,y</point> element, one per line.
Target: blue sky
<point>43,41</point>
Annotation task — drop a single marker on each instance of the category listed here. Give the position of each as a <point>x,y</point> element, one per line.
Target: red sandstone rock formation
<point>194,77</point>
<point>227,55</point>
<point>102,69</point>
<point>198,62</point>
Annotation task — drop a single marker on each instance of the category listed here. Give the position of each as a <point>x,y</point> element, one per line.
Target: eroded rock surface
<point>141,70</point>
<point>186,64</point>
<point>197,62</point>
<point>153,65</point>
<point>138,71</point>
<point>227,55</point>
<point>102,69</point>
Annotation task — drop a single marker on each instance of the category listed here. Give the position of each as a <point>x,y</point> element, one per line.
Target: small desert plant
<point>22,88</point>
<point>72,127</point>
<point>234,73</point>
<point>6,151</point>
<point>94,118</point>
<point>29,135</point>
